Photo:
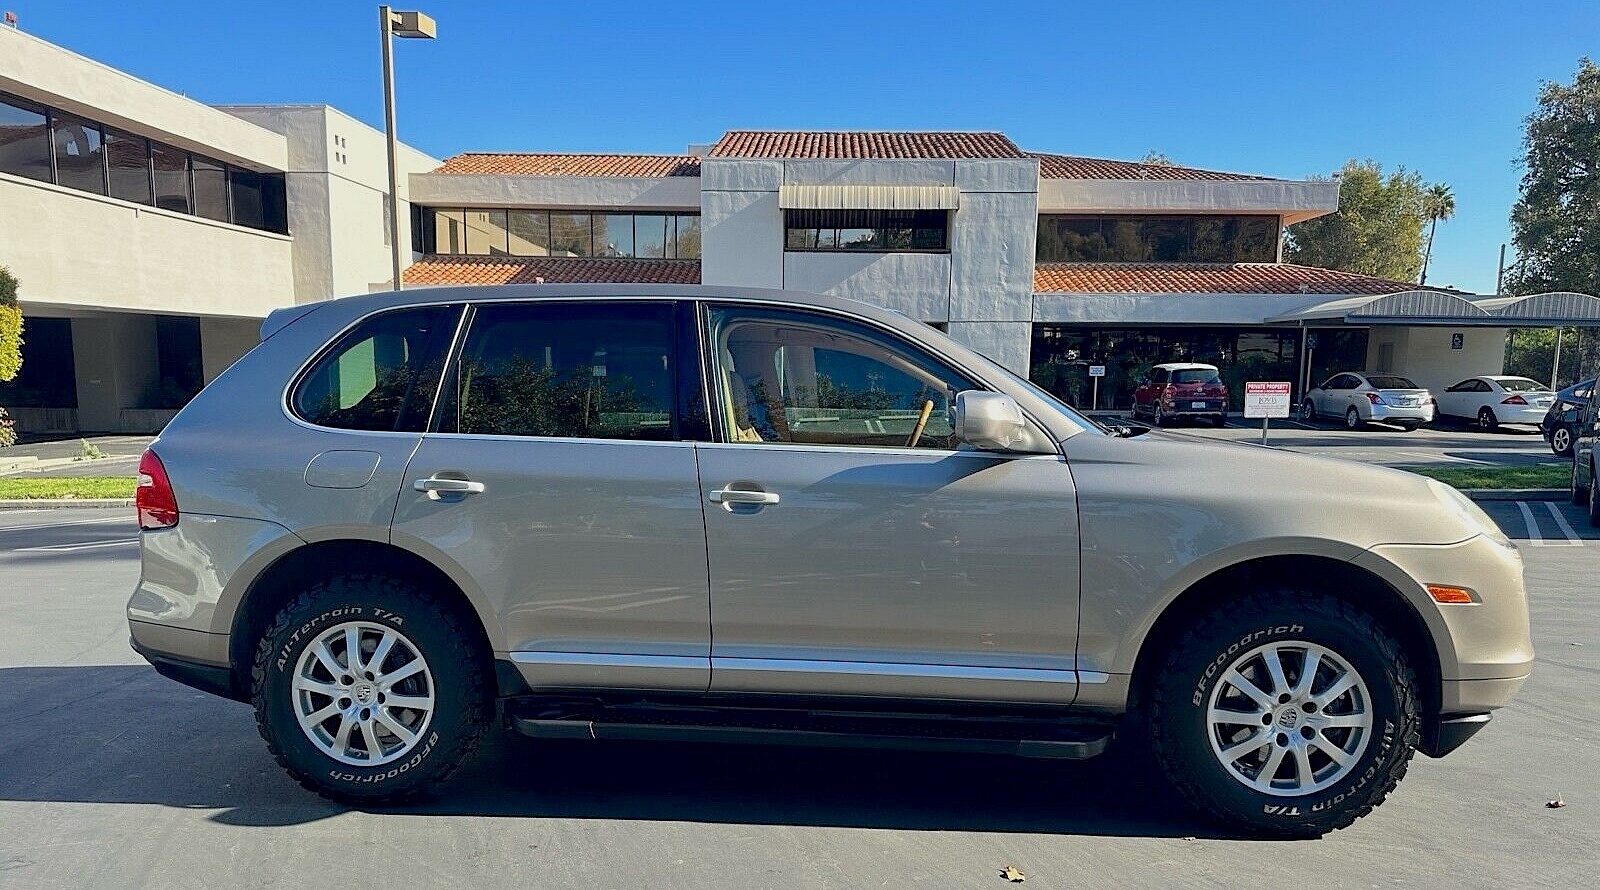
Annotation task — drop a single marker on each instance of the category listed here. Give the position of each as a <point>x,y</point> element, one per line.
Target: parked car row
<point>1561,419</point>
<point>1582,424</point>
<point>1487,401</point>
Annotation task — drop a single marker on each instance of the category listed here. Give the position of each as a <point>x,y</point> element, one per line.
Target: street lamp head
<point>412,24</point>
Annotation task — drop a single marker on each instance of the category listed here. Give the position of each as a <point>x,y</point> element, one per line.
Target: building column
<point>1007,342</point>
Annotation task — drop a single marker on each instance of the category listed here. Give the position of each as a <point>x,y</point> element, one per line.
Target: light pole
<point>392,23</point>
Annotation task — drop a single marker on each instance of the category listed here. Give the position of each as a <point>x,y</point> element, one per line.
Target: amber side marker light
<point>1444,593</point>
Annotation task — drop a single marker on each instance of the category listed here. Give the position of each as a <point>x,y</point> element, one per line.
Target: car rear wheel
<point>1352,419</point>
<point>370,690</point>
<point>1487,420</point>
<point>1157,416</point>
<point>1286,712</point>
<point>1561,441</point>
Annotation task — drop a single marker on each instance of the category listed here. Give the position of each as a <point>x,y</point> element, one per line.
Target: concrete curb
<point>60,503</point>
<point>1516,494</point>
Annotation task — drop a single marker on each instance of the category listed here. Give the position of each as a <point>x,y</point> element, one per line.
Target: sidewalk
<point>61,457</point>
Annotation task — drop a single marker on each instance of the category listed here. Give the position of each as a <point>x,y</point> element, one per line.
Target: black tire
<point>1180,699</point>
<point>1593,500</point>
<point>462,676</point>
<point>1157,417</point>
<point>1486,419</point>
<point>1308,411</point>
<point>1561,441</point>
<point>1408,427</point>
<point>1353,421</point>
<point>1577,493</point>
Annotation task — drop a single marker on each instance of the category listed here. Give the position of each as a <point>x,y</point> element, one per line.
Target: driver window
<point>809,379</point>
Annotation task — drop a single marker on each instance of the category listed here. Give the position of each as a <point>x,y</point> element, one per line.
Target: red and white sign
<point>1266,399</point>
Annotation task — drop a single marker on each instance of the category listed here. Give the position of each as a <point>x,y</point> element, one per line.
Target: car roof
<point>1183,366</point>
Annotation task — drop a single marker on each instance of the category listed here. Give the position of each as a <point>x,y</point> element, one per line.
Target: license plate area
<point>1197,406</point>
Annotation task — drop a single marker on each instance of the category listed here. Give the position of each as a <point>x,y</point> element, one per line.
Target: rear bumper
<point>1510,414</point>
<point>216,679</point>
<point>1393,413</point>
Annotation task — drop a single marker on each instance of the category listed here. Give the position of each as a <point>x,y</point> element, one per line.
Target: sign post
<point>1095,373</point>
<point>1266,401</point>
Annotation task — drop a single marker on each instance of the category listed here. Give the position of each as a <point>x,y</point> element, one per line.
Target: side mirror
<point>990,421</point>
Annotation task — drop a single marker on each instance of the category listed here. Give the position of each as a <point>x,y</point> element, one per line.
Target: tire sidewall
<point>1561,434</point>
<point>448,727</point>
<point>1352,419</point>
<point>1388,747</point>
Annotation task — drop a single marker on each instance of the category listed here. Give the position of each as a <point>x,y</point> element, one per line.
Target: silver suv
<point>635,511</point>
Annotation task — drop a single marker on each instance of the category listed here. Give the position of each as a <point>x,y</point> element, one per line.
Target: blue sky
<point>1284,89</point>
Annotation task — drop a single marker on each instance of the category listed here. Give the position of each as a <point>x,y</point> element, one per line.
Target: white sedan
<point>1491,400</point>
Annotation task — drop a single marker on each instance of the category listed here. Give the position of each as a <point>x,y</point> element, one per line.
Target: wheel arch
<point>1356,584</point>
<point>276,584</point>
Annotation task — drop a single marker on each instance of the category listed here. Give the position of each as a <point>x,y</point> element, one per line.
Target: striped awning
<point>869,197</point>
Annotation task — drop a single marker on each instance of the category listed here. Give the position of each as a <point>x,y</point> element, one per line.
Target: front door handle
<point>434,485</point>
<point>726,496</point>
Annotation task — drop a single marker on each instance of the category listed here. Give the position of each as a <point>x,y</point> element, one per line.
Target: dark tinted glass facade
<point>1158,239</point>
<point>24,139</point>
<point>52,146</point>
<point>881,231</point>
<point>555,233</point>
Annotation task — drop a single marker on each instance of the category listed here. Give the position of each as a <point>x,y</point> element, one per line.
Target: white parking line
<point>29,528</point>
<point>1432,456</point>
<point>73,548</point>
<point>1566,528</point>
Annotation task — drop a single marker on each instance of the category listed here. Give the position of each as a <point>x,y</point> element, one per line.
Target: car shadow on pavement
<point>123,734</point>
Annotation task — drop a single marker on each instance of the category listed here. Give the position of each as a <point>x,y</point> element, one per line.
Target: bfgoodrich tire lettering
<point>405,618</point>
<point>1184,699</point>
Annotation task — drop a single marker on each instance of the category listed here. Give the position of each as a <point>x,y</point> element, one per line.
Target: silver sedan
<point>1359,399</point>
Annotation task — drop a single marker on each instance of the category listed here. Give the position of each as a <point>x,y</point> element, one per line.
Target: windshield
<point>1520,384</point>
<point>1392,383</point>
<point>1196,375</point>
<point>1054,402</point>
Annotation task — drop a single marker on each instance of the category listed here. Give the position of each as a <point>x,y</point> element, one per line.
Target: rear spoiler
<point>279,319</point>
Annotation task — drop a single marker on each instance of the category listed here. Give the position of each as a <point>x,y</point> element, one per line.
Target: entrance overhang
<point>1441,308</point>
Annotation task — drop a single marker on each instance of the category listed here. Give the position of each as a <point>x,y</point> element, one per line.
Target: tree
<point>1376,231</point>
<point>1156,158</point>
<point>10,327</point>
<point>1439,205</point>
<point>1554,222</point>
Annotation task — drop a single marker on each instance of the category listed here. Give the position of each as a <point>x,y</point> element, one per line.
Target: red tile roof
<point>1205,278</point>
<point>533,164</point>
<point>437,269</point>
<point>1071,167</point>
<point>862,145</point>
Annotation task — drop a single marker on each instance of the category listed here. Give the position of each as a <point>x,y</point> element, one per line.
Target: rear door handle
<point>435,485</point>
<point>741,496</point>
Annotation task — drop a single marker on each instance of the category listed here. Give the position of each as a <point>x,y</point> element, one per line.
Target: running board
<point>1063,743</point>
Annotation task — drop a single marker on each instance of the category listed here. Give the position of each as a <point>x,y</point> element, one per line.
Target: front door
<point>854,548</point>
<point>558,483</point>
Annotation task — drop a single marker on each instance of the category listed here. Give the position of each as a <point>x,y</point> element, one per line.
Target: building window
<point>177,361</point>
<point>24,140</point>
<point>528,232</point>
<point>686,243</point>
<point>570,235</point>
<point>128,166</point>
<point>1196,238</point>
<point>80,155</point>
<point>486,232</point>
<point>613,234</point>
<point>245,194</point>
<point>879,231</point>
<point>210,188</point>
<point>171,178</point>
<point>48,378</point>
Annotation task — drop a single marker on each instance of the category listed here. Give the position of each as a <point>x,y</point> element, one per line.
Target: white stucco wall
<point>74,249</point>
<point>41,71</point>
<point>917,284</point>
<point>1424,353</point>
<point>1295,201</point>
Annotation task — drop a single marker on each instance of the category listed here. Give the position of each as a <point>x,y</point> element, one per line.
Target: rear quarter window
<point>382,375</point>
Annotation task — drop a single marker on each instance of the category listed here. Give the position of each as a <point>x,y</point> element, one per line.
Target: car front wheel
<point>370,689</point>
<point>1287,713</point>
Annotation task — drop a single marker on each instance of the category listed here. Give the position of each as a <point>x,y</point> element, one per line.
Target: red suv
<point>1182,389</point>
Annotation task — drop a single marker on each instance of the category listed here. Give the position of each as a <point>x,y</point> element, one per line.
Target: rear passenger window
<point>382,375</point>
<point>581,370</point>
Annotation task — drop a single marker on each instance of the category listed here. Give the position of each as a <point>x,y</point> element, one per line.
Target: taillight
<point>154,500</point>
<point>1432,400</point>
<point>1374,398</point>
<point>1514,400</point>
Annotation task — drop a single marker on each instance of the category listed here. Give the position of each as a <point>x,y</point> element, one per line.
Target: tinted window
<point>870,230</point>
<point>688,238</point>
<point>794,377</point>
<point>613,234</point>
<point>1159,376</point>
<point>652,235</point>
<point>171,177</point>
<point>80,156</point>
<point>210,188</point>
<point>128,158</point>
<point>529,232</point>
<point>486,232</point>
<point>24,141</point>
<point>249,207</point>
<point>569,235</point>
<point>1521,384</point>
<point>587,370</point>
<point>382,375</point>
<point>1209,238</point>
<point>1196,375</point>
<point>1389,382</point>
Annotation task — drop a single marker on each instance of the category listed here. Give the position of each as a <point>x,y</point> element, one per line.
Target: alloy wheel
<point>363,694</point>
<point>1308,411</point>
<point>1289,718</point>
<point>1561,440</point>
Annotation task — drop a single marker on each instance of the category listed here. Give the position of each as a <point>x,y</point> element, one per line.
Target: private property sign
<point>1266,399</point>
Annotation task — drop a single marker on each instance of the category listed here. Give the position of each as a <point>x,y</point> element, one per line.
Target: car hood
<point>1259,491</point>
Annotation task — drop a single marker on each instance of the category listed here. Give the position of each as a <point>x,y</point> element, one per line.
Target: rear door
<point>558,482</point>
<point>855,549</point>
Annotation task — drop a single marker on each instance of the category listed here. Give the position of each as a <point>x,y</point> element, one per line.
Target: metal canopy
<point>1441,308</point>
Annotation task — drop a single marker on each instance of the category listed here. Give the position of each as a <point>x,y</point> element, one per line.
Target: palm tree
<point>1437,204</point>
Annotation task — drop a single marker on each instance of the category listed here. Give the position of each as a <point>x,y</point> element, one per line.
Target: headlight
<point>1469,512</point>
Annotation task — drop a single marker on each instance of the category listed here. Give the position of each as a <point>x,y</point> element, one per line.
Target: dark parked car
<point>1584,460</point>
<point>1560,423</point>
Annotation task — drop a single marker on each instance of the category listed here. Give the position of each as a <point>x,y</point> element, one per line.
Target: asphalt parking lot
<point>111,776</point>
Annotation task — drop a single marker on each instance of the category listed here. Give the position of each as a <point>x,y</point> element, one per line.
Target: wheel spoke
<point>1339,687</point>
<point>352,648</point>
<point>406,736</point>
<point>317,718</point>
<point>1302,766</point>
<point>306,684</point>
<point>1335,721</point>
<point>1280,683</point>
<point>1238,681</point>
<point>369,735</point>
<point>1253,743</point>
<point>1270,770</point>
<point>341,742</point>
<point>417,702</point>
<point>325,656</point>
<point>1334,752</point>
<point>375,663</point>
<point>1308,672</point>
<point>402,672</point>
